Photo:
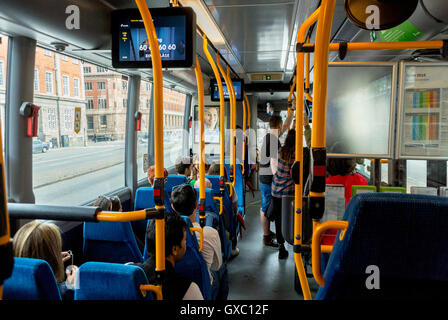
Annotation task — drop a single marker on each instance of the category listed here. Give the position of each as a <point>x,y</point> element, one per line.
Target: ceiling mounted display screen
<point>238,87</point>
<point>174,28</point>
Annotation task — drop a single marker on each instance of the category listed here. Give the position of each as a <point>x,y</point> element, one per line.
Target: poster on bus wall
<point>211,124</point>
<point>424,112</point>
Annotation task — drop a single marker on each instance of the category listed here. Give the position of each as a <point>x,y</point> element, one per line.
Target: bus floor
<point>257,273</point>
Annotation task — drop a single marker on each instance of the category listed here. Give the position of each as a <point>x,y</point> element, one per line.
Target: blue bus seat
<point>172,181</point>
<point>404,235</point>
<point>212,210</point>
<point>193,265</point>
<point>227,202</point>
<point>110,281</point>
<point>110,242</point>
<point>239,183</point>
<point>31,279</point>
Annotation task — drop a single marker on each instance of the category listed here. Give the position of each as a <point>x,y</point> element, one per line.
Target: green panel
<point>393,189</point>
<point>403,32</point>
<point>363,189</point>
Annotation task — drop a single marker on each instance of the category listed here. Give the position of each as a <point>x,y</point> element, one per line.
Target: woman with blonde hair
<point>41,239</point>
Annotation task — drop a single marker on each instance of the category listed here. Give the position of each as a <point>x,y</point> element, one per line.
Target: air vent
<point>278,76</point>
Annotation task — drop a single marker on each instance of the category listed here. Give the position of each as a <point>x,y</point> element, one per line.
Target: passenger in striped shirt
<point>282,185</point>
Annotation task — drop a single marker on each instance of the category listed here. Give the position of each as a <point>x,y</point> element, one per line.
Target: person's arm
<point>274,163</point>
<point>307,129</point>
<point>215,243</point>
<point>288,120</point>
<point>193,293</point>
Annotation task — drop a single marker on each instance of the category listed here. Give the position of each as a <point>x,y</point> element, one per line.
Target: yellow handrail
<point>201,233</point>
<point>112,216</point>
<point>158,125</point>
<point>307,77</point>
<point>200,83</point>
<point>221,113</point>
<point>243,156</point>
<point>316,246</point>
<point>399,45</point>
<point>149,287</point>
<point>233,126</point>
<point>220,204</point>
<point>248,115</point>
<point>299,156</point>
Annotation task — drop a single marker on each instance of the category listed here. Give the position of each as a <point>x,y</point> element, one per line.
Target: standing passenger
<point>270,147</point>
<point>283,185</point>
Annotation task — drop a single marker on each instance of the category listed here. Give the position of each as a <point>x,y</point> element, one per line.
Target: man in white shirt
<point>183,202</point>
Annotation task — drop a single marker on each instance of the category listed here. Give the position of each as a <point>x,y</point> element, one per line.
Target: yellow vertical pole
<point>290,94</point>
<point>158,131</point>
<point>200,84</point>
<point>233,126</point>
<point>318,143</point>
<point>221,117</point>
<point>298,216</point>
<point>307,77</point>
<point>226,80</point>
<point>248,114</point>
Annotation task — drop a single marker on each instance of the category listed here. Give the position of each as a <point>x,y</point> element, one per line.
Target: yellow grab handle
<point>121,216</point>
<point>149,287</point>
<point>231,189</point>
<point>316,246</point>
<point>201,233</point>
<point>220,204</point>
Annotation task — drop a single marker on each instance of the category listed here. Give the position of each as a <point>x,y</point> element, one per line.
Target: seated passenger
<point>151,174</point>
<point>342,171</point>
<point>174,285</point>
<point>215,170</point>
<point>183,201</point>
<point>40,239</point>
<point>186,167</point>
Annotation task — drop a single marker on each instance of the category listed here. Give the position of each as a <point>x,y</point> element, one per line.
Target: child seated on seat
<point>174,285</point>
<point>41,239</point>
<point>186,167</point>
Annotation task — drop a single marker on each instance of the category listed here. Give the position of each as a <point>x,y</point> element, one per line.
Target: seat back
<point>110,242</point>
<point>239,183</point>
<point>172,181</point>
<point>403,236</point>
<point>213,219</point>
<point>31,279</point>
<point>110,281</point>
<point>227,202</point>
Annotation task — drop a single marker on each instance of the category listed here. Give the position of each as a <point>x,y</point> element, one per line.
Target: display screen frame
<point>214,83</point>
<point>392,113</point>
<point>190,43</point>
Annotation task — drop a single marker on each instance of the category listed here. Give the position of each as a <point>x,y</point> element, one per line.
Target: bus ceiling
<point>251,49</point>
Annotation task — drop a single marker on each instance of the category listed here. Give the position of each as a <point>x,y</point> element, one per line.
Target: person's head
<point>104,203</point>
<point>341,166</point>
<point>183,200</point>
<point>213,169</point>
<point>116,203</point>
<point>152,173</point>
<point>211,118</point>
<point>287,151</point>
<point>40,239</point>
<point>183,166</point>
<point>275,122</point>
<point>175,237</point>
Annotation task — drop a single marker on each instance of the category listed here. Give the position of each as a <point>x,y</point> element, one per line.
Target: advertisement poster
<point>424,126</point>
<point>211,124</point>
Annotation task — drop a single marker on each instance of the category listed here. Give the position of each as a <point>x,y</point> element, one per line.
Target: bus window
<point>173,120</point>
<point>142,135</point>
<point>77,166</point>
<point>415,174</point>
<point>3,64</point>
